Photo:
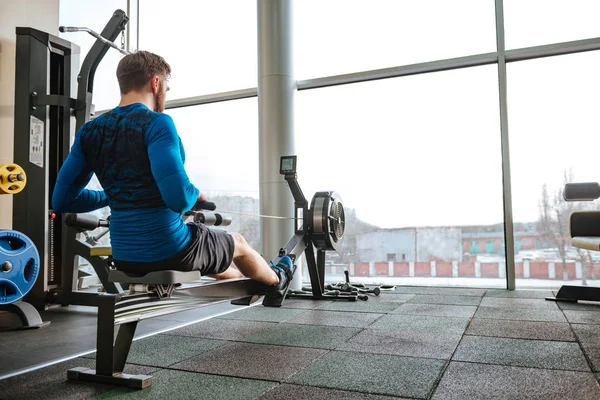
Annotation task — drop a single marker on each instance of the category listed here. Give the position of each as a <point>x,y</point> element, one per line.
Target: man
<point>138,157</point>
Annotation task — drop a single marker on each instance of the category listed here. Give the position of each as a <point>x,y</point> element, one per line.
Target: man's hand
<point>201,197</point>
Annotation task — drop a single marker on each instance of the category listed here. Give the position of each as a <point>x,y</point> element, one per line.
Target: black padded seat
<point>154,278</point>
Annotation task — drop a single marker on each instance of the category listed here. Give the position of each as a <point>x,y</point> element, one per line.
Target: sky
<point>413,151</point>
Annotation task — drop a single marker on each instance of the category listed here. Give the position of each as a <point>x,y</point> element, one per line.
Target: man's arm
<point>70,194</point>
<point>166,162</point>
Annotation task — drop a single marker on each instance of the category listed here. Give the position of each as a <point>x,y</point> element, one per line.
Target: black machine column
<point>45,70</point>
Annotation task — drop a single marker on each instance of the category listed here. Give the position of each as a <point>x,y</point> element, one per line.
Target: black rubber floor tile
<point>297,392</point>
<point>265,314</point>
<point>306,304</point>
<point>50,383</point>
<point>521,329</point>
<point>436,310</point>
<point>335,318</point>
<point>582,317</point>
<point>521,314</point>
<point>369,306</point>
<point>405,343</point>
<point>519,294</point>
<point>440,291</point>
<point>165,350</point>
<point>511,302</point>
<point>313,336</point>
<point>372,373</point>
<point>257,361</point>
<point>224,329</point>
<point>495,382</point>
<point>589,337</point>
<point>176,385</point>
<point>521,353</point>
<point>422,324</point>
<point>446,299</point>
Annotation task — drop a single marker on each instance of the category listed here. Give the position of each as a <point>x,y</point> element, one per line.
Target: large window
<point>95,16</point>
<point>221,146</point>
<point>417,163</point>
<point>538,22</point>
<point>554,139</point>
<point>342,36</point>
<point>210,45</point>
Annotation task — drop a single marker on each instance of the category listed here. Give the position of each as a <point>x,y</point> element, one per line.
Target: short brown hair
<point>135,70</point>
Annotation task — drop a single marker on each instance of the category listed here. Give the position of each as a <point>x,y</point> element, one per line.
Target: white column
<point>551,270</point>
<point>455,269</point>
<point>411,268</point>
<point>526,272</point>
<point>432,267</point>
<point>477,269</point>
<point>372,270</point>
<point>578,270</point>
<point>276,88</point>
<point>390,268</point>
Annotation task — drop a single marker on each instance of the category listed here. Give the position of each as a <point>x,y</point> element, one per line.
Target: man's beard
<point>159,100</point>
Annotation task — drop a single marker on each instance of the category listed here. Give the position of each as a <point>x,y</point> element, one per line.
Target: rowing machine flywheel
<point>328,220</point>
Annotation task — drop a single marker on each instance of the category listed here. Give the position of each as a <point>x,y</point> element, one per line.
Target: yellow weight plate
<point>12,179</point>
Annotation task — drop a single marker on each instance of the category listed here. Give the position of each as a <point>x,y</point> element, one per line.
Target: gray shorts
<point>208,251</point>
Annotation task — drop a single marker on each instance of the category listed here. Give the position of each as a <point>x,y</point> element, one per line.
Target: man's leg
<point>249,263</point>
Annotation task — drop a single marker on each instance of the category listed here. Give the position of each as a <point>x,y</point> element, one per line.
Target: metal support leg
<point>28,314</point>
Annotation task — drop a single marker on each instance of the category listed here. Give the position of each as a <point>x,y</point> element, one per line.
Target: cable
<point>254,215</point>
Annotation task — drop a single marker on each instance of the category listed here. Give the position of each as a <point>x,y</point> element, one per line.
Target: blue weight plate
<point>19,266</point>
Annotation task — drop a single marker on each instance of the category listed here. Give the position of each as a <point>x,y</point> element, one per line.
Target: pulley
<point>12,179</point>
<point>19,266</point>
<point>327,221</point>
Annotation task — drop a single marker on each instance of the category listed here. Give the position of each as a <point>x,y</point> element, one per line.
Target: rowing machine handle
<point>585,191</point>
<point>86,222</point>
<point>205,205</point>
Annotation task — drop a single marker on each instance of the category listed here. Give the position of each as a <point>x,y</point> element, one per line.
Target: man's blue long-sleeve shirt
<point>138,158</point>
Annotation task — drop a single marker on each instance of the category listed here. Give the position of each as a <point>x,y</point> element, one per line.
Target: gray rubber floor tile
<point>438,310</point>
<point>394,297</point>
<point>313,336</point>
<point>256,361</point>
<point>582,317</point>
<point>264,314</point>
<point>307,304</point>
<point>463,381</point>
<point>297,392</point>
<point>446,299</point>
<point>581,306</point>
<point>175,385</point>
<point>521,314</point>
<point>519,294</point>
<point>224,329</point>
<point>51,382</point>
<point>589,336</point>
<point>440,291</point>
<point>335,318</point>
<point>509,302</point>
<point>372,373</point>
<point>406,343</point>
<point>522,353</point>
<point>369,306</point>
<point>165,350</point>
<point>422,324</point>
<point>521,329</point>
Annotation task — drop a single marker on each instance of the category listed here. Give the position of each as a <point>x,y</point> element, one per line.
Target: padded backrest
<point>154,278</point>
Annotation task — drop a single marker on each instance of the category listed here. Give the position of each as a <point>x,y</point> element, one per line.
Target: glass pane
<point>210,45</point>
<point>417,163</point>
<point>537,22</point>
<point>95,15</point>
<point>221,146</point>
<point>553,139</point>
<point>342,36</point>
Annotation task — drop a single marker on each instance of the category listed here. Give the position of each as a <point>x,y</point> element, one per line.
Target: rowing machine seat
<point>167,277</point>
